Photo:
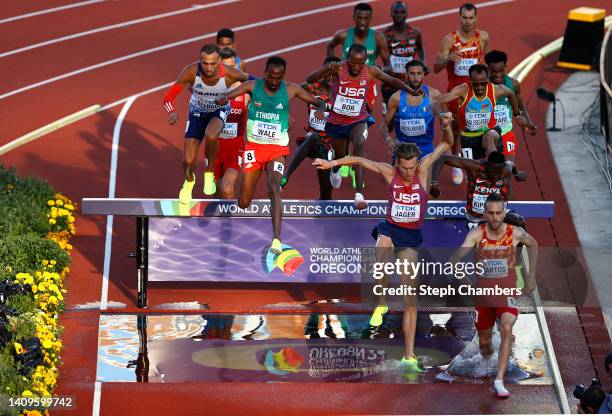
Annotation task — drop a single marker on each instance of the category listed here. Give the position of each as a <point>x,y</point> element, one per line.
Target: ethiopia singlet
<point>401,51</point>
<point>236,120</point>
<point>479,187</point>
<point>415,124</point>
<point>348,97</point>
<point>503,109</point>
<point>203,96</point>
<point>471,53</point>
<point>268,116</point>
<point>370,45</point>
<point>407,204</point>
<point>476,116</point>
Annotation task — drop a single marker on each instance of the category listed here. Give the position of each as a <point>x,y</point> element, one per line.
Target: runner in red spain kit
<point>347,122</point>
<point>460,50</point>
<point>495,244</point>
<point>401,230</point>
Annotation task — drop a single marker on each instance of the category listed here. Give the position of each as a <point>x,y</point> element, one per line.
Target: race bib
<point>478,203</point>
<point>230,130</point>
<point>249,156</point>
<point>347,106</point>
<point>502,115</point>
<point>398,63</point>
<point>512,302</point>
<point>266,131</point>
<point>315,123</point>
<point>405,213</point>
<point>495,268</point>
<point>477,121</point>
<point>413,126</point>
<point>463,65</point>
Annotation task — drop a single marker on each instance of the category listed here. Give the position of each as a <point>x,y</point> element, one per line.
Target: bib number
<point>478,202</point>
<point>230,130</point>
<point>467,153</point>
<point>405,213</point>
<point>315,123</point>
<point>398,63</point>
<point>495,268</point>
<point>512,302</point>
<point>249,156</point>
<point>279,167</point>
<point>348,106</point>
<point>477,121</point>
<point>462,66</point>
<point>413,126</point>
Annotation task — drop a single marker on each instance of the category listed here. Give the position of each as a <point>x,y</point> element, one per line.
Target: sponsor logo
<point>279,106</point>
<point>364,82</point>
<point>344,82</point>
<point>414,187</point>
<point>397,186</point>
<point>249,165</point>
<point>406,198</point>
<point>257,103</point>
<point>352,92</point>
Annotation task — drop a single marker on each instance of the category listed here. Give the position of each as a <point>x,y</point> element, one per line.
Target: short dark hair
<point>225,33</point>
<point>496,56</point>
<point>357,48</point>
<point>479,69</point>
<point>494,197</point>
<point>593,397</point>
<point>331,59</point>
<point>468,7</point>
<point>227,53</point>
<point>407,150</point>
<point>277,61</point>
<point>210,48</point>
<point>496,157</point>
<point>415,62</point>
<point>399,3</point>
<point>362,7</point>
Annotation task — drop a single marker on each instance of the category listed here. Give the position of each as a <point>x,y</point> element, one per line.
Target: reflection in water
<point>298,348</point>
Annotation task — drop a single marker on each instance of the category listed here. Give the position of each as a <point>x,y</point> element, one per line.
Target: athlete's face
<point>356,61</point>
<point>362,20</point>
<point>407,167</point>
<point>495,170</point>
<point>229,62</point>
<point>210,64</point>
<point>467,20</point>
<point>225,43</point>
<point>479,81</point>
<point>497,71</point>
<point>399,13</point>
<point>415,77</point>
<point>494,214</point>
<point>274,77</point>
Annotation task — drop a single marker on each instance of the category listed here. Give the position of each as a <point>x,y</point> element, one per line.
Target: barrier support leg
<point>142,258</point>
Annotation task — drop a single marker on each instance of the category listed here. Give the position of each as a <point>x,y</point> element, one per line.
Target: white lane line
<point>96,398</point>
<point>173,44</point>
<point>55,9</point>
<point>112,182</point>
<point>194,8</point>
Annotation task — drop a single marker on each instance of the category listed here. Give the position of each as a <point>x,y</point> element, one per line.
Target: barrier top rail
<point>260,208</point>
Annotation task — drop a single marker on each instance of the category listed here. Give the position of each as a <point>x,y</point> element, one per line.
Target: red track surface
<point>76,160</point>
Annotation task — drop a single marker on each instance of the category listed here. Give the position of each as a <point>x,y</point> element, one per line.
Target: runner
<point>267,136</point>
<point>316,143</point>
<point>402,227</point>
<point>477,99</point>
<point>231,139</point>
<point>411,116</point>
<point>227,39</point>
<point>347,122</point>
<point>209,79</point>
<point>460,50</point>
<point>405,44</point>
<point>495,244</point>
<point>496,61</point>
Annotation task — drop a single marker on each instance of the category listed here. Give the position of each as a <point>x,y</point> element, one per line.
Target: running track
<point>76,160</point>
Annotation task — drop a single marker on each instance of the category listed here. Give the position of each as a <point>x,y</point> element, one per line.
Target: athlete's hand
<point>334,67</point>
<point>453,57</point>
<point>221,100</point>
<point>434,190</point>
<point>521,176</point>
<point>321,164</point>
<point>391,145</point>
<point>172,118</point>
<point>530,284</point>
<point>446,119</point>
<point>532,129</point>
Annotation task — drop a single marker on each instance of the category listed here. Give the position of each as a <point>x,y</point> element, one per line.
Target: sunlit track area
<point>296,208</point>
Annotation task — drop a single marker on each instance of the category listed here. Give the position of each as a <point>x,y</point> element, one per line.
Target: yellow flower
<point>9,269</point>
<point>18,348</point>
<point>53,262</point>
<point>45,262</point>
<point>51,221</point>
<point>50,203</point>
<point>59,202</point>
<point>27,393</point>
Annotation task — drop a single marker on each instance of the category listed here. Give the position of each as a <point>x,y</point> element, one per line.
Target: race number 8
<point>467,153</point>
<point>249,156</point>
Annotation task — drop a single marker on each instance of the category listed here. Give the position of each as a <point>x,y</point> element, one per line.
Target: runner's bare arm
<point>419,44</point>
<point>294,90</point>
<point>383,50</point>
<point>338,39</point>
<point>387,125</point>
<point>185,79</point>
<point>385,169</point>
<point>244,88</point>
<point>457,93</point>
<point>236,74</point>
<point>319,74</point>
<point>434,94</point>
<point>522,236</point>
<point>503,91</point>
<point>466,247</point>
<point>426,163</point>
<point>532,128</point>
<point>485,41</point>
<point>442,57</point>
<point>376,73</point>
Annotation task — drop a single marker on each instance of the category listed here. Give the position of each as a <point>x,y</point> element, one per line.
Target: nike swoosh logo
<point>397,186</point>
<point>344,82</point>
<point>393,45</point>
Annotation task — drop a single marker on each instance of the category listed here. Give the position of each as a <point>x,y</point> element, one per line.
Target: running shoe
<point>500,390</point>
<point>210,187</point>
<point>457,176</point>
<point>345,171</point>
<point>377,316</point>
<point>276,247</point>
<point>186,190</point>
<point>360,202</point>
<point>354,181</point>
<point>335,178</point>
<point>283,182</point>
<point>411,365</point>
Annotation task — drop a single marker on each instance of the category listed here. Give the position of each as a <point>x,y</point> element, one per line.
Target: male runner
<point>402,228</point>
<point>231,139</point>
<point>316,143</point>
<point>347,122</point>
<point>227,39</point>
<point>496,61</point>
<point>405,44</point>
<point>495,244</point>
<point>476,112</point>
<point>209,79</point>
<point>267,136</point>
<point>460,50</point>
<point>411,116</point>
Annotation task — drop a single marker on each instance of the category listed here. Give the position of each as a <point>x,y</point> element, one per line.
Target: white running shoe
<point>335,178</point>
<point>360,202</point>
<point>500,390</point>
<point>457,176</point>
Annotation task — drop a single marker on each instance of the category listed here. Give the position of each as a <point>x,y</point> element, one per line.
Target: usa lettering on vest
<point>352,92</point>
<point>406,198</point>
